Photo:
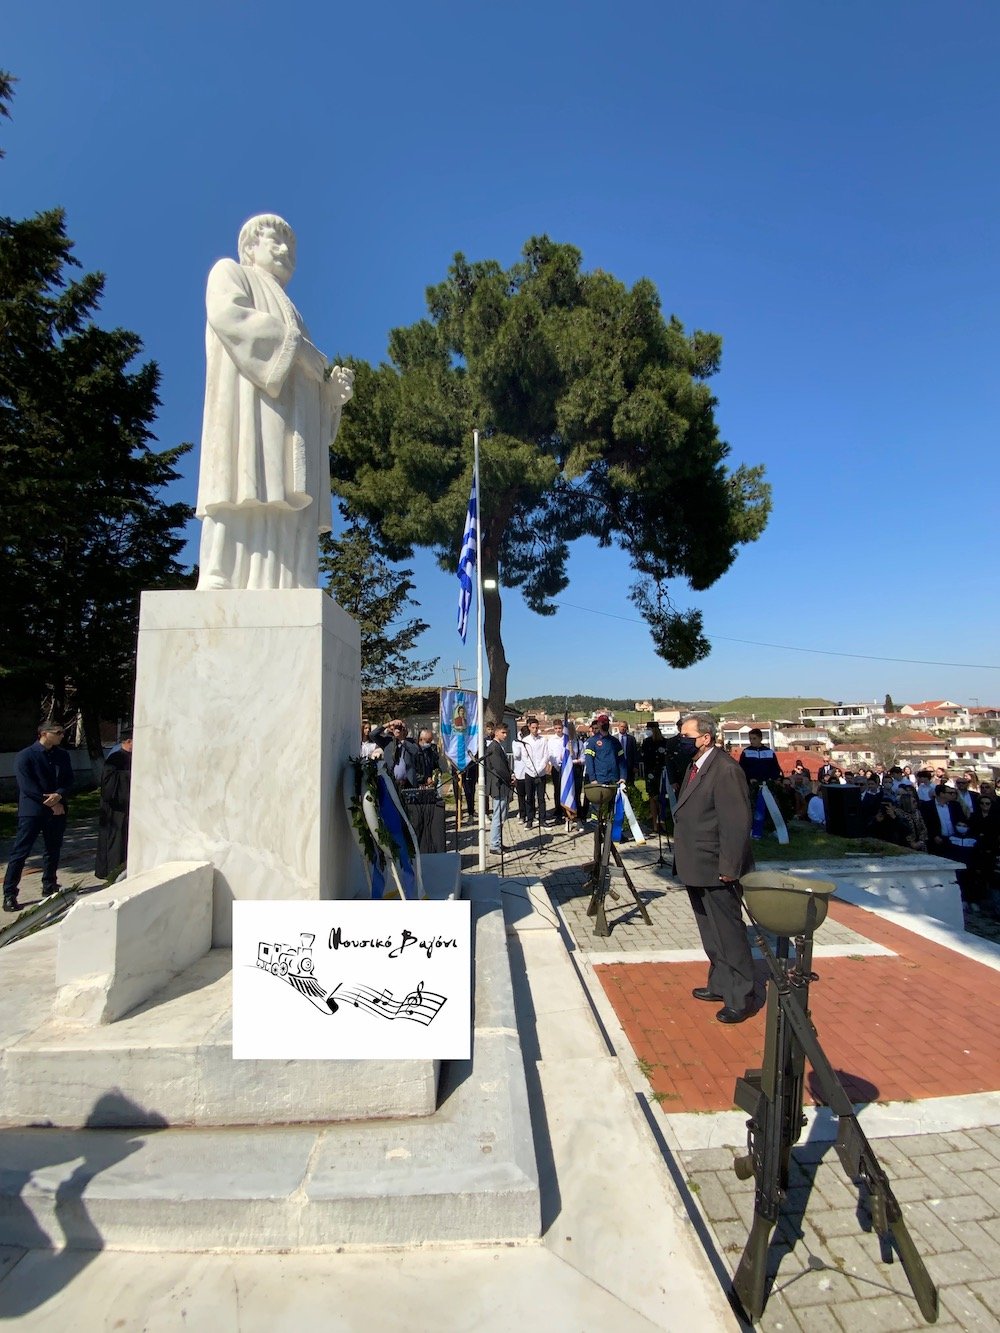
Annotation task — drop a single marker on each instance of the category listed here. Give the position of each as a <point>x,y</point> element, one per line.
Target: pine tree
<point>596,419</point>
<point>83,525</point>
<point>367,586</point>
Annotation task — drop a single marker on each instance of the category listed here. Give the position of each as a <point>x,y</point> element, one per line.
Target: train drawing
<point>294,963</point>
<point>280,959</point>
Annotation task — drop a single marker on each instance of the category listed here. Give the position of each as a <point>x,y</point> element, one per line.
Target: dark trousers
<point>724,939</point>
<point>535,792</point>
<point>52,828</point>
<point>521,786</point>
<point>469,779</point>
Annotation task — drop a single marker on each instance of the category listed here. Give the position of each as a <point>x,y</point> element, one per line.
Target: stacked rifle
<point>791,906</point>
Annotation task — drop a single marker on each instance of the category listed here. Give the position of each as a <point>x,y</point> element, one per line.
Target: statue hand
<point>341,381</point>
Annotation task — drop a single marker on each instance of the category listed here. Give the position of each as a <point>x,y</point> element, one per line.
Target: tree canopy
<point>83,524</point>
<point>365,584</point>
<point>595,418</point>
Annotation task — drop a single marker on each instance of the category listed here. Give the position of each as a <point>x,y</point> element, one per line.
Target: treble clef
<point>415,998</point>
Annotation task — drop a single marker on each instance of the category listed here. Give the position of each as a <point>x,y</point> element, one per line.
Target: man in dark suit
<point>44,780</point>
<point>630,750</point>
<point>711,852</point>
<point>499,783</point>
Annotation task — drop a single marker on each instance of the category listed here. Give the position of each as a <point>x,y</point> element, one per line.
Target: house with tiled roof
<point>737,732</point>
<point>975,748</point>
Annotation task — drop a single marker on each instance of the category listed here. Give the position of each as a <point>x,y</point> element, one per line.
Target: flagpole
<point>481,784</point>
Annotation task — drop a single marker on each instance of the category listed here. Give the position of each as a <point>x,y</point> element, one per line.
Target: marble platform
<point>248,707</point>
<point>465,1172</point>
<point>169,1061</point>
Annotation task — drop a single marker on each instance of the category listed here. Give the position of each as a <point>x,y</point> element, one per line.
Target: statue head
<point>267,242</point>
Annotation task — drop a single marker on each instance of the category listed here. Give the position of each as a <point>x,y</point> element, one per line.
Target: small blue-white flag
<point>467,564</point>
<point>567,791</point>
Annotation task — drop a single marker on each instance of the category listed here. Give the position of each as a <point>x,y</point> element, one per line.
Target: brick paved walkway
<point>924,1023</point>
<point>901,1018</point>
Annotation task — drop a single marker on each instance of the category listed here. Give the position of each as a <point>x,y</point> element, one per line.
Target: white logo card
<point>352,980</point>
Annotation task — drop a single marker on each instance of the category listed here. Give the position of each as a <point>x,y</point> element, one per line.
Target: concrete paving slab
<point>421,1291</point>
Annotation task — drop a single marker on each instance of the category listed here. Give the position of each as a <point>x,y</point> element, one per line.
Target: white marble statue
<point>272,409</point>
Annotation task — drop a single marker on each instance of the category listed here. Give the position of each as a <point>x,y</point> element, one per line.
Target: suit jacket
<point>712,823</point>
<point>631,751</point>
<point>498,779</point>
<point>39,771</point>
<point>933,821</point>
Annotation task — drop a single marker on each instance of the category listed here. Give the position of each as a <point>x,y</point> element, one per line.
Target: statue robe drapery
<point>264,481</point>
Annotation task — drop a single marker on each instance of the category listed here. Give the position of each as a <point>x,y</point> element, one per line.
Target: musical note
<point>419,1006</point>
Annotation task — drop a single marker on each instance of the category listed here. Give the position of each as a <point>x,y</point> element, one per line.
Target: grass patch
<point>83,805</point>
<point>811,843</point>
<point>661,1097</point>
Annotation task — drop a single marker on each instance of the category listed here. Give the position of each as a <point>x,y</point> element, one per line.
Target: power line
<point>791,648</point>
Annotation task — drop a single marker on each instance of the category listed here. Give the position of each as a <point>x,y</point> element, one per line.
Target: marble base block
<point>248,707</point>
<point>122,944</point>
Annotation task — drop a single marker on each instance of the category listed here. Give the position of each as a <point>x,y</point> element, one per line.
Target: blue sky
<point>817,184</point>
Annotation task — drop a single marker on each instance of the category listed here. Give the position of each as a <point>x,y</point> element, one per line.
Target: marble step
<point>467,1173</point>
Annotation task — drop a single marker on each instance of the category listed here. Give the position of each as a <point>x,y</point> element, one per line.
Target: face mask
<point>687,745</point>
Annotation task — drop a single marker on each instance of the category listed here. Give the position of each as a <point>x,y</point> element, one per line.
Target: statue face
<point>272,253</point>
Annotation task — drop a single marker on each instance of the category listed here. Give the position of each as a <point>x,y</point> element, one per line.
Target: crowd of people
<point>927,810</point>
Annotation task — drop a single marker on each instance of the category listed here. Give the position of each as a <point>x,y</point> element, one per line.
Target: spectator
<point>536,763</point>
<point>911,820</point>
<point>888,824</point>
<point>428,759</point>
<point>654,758</point>
<point>498,783</point>
<point>603,758</point>
<point>44,777</point>
<point>801,787</point>
<point>950,834</point>
<point>968,797</point>
<point>368,746</point>
<point>112,821</point>
<point>519,761</point>
<point>758,761</point>
<point>816,811</point>
<point>398,752</point>
<point>630,750</point>
<point>871,801</point>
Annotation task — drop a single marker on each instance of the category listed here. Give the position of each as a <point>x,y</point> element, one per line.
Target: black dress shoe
<point>728,1015</point>
<point>11,905</point>
<point>48,893</point>
<point>703,993</point>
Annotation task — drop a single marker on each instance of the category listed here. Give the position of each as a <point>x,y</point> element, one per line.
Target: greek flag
<point>467,565</point>
<point>567,793</point>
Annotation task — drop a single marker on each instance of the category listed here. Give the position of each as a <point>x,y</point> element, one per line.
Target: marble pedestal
<point>247,710</point>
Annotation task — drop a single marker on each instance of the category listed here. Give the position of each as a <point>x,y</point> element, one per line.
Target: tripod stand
<point>601,871</point>
<point>789,906</point>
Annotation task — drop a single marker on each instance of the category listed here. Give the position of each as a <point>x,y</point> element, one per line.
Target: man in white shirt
<point>536,770</point>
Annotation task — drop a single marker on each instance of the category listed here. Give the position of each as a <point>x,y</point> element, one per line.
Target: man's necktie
<point>693,774</point>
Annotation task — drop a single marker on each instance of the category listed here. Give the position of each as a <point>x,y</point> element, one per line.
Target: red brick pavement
<point>925,1023</point>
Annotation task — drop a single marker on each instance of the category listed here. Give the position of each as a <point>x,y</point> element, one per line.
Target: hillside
<point>766,709</point>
